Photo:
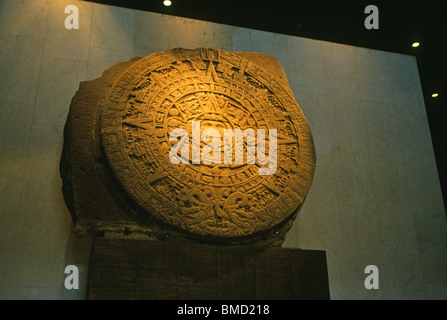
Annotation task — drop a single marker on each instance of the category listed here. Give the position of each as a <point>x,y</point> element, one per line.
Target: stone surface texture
<point>164,270</point>
<point>123,120</point>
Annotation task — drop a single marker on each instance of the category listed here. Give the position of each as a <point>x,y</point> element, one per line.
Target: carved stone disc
<point>219,90</point>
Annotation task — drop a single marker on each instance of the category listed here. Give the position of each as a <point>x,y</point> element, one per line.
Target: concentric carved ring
<point>212,89</point>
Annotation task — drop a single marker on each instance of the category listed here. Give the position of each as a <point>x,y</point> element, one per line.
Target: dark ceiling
<point>400,24</point>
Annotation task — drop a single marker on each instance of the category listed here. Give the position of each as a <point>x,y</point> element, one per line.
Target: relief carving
<point>223,91</point>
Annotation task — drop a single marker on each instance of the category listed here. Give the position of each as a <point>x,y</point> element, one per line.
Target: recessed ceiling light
<point>167,3</point>
<point>415,44</point>
<point>435,95</point>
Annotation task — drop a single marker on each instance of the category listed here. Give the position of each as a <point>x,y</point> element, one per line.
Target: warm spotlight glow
<point>435,95</point>
<point>167,3</point>
<point>416,44</point>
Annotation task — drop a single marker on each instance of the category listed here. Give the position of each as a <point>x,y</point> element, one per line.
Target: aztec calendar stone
<point>207,142</point>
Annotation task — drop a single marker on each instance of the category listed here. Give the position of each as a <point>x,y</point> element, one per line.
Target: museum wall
<point>375,199</point>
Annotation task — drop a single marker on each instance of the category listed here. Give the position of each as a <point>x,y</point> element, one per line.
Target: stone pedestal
<point>145,269</point>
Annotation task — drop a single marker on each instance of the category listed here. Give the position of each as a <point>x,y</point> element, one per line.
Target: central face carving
<point>199,92</point>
